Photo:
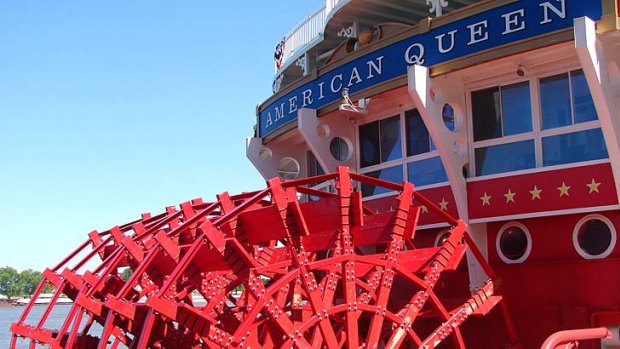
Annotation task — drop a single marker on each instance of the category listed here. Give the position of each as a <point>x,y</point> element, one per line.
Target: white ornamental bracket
<point>450,145</point>
<point>268,159</point>
<point>319,134</point>
<point>600,67</point>
<point>437,6</point>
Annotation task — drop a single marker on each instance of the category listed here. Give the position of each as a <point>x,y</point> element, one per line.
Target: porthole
<point>594,237</point>
<point>288,168</point>
<point>442,237</point>
<point>323,131</point>
<point>513,243</point>
<point>447,113</point>
<point>265,154</point>
<point>340,149</point>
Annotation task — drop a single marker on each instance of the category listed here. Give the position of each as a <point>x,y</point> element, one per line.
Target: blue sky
<point>113,108</point>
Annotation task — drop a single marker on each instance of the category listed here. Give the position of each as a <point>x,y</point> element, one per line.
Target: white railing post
<point>304,33</point>
<point>329,5</point>
<point>307,30</point>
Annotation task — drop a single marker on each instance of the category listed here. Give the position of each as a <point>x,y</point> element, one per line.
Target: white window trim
<point>612,243</point>
<point>528,248</point>
<point>538,170</point>
<point>349,145</point>
<point>537,133</point>
<point>380,165</point>
<point>404,160</point>
<point>582,126</point>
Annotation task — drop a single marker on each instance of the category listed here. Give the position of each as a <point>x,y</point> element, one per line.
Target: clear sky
<point>113,108</point>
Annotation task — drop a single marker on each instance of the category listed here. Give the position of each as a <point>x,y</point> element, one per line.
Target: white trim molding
<point>528,248</point>
<point>612,230</point>
<point>545,214</point>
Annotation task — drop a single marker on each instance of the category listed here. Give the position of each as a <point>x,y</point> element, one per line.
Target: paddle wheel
<point>287,266</point>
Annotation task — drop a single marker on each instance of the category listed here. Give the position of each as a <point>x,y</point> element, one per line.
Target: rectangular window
<point>565,100</point>
<point>392,174</point>
<point>391,148</point>
<point>313,166</point>
<point>418,139</point>
<point>505,158</point>
<point>486,114</point>
<point>384,155</point>
<point>555,101</point>
<point>516,108</point>
<point>583,105</point>
<point>501,111</point>
<point>369,144</point>
<point>574,147</point>
<point>424,167</point>
<point>506,138</point>
<point>380,141</point>
<point>315,169</point>
<point>427,171</point>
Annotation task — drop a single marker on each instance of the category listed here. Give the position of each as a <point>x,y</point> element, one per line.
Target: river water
<point>9,315</point>
<point>59,313</point>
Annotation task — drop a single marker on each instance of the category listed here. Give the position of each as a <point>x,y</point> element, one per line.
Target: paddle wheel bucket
<point>287,266</point>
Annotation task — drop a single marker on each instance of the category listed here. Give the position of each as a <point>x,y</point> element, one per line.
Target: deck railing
<point>330,4</point>
<point>308,30</point>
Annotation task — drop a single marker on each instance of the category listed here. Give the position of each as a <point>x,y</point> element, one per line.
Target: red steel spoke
<point>266,269</point>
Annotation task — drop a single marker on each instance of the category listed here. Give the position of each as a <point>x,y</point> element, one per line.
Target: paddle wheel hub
<point>287,266</point>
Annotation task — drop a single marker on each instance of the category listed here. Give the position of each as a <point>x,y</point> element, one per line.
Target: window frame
<point>528,248</point>
<point>612,230</point>
<point>538,133</point>
<point>405,159</point>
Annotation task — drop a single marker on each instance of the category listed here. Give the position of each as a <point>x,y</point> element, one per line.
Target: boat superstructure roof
<point>311,42</point>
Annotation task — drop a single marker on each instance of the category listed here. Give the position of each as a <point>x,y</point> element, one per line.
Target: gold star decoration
<point>424,209</point>
<point>563,189</point>
<point>510,196</point>
<point>535,193</point>
<point>443,204</point>
<point>486,199</point>
<point>593,186</point>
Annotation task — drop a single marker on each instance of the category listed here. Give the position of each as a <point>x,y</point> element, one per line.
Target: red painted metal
<point>284,267</point>
<point>571,338</point>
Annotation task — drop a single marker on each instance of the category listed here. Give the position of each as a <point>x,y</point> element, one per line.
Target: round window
<point>594,237</point>
<point>288,168</point>
<point>340,149</point>
<point>265,153</point>
<point>323,131</point>
<point>447,114</point>
<point>513,243</point>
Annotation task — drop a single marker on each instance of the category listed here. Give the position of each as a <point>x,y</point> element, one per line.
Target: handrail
<point>306,31</point>
<point>569,339</point>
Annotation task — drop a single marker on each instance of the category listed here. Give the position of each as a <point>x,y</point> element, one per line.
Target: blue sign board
<point>493,28</point>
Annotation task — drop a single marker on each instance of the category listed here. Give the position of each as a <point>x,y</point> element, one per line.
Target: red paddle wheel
<point>287,266</point>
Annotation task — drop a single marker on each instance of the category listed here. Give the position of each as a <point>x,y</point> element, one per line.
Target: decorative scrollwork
<point>277,83</point>
<point>302,63</point>
<point>347,32</point>
<point>437,6</point>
